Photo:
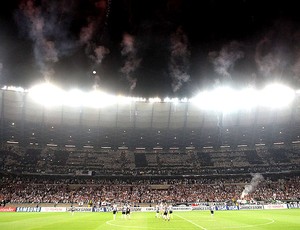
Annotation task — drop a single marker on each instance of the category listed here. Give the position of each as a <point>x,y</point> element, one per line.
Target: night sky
<point>149,48</point>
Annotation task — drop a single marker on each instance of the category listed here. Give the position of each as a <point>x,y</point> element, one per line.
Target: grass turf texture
<point>254,220</point>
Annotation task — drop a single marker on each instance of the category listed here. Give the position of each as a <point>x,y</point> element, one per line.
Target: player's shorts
<point>114,212</point>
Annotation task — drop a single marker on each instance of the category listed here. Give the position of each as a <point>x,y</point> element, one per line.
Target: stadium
<point>153,114</point>
<point>66,155</point>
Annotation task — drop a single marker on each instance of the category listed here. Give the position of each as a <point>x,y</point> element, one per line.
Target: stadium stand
<point>145,153</point>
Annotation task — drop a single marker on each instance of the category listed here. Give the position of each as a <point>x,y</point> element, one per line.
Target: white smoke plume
<point>132,62</point>
<point>277,52</point>
<point>100,52</point>
<point>97,56</point>
<point>94,21</point>
<point>45,24</point>
<point>88,33</point>
<point>179,60</point>
<point>224,60</point>
<point>256,179</point>
<point>44,50</point>
<point>267,60</point>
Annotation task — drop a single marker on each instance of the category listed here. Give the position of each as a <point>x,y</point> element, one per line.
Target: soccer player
<point>166,213</point>
<point>128,211</point>
<point>115,210</point>
<point>124,211</point>
<point>212,209</point>
<point>157,211</point>
<point>171,211</point>
<point>72,209</point>
<point>161,209</point>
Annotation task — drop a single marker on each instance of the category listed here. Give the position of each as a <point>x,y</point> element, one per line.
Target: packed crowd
<point>190,162</point>
<point>95,191</point>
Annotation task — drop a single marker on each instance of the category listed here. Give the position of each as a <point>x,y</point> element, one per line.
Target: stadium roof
<point>141,124</point>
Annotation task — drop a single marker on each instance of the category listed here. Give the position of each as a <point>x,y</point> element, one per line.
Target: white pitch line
<point>253,225</point>
<point>199,226</point>
<point>132,227</point>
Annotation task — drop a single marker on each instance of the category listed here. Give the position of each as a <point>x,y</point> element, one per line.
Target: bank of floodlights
<point>226,99</point>
<point>223,99</point>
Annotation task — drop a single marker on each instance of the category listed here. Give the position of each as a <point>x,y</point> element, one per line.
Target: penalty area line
<point>199,226</point>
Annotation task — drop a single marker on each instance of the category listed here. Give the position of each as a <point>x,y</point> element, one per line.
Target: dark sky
<point>149,47</point>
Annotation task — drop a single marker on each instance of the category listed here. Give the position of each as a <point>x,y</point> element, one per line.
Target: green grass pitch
<point>254,220</point>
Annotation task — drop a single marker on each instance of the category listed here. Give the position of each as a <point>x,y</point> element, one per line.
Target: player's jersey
<point>124,209</point>
<point>157,209</point>
<point>128,210</point>
<point>166,211</point>
<point>170,209</point>
<point>114,209</point>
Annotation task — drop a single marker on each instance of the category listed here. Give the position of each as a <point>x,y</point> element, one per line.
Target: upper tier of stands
<point>15,159</point>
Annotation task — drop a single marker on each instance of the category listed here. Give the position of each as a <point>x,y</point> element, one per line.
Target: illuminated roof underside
<point>223,117</point>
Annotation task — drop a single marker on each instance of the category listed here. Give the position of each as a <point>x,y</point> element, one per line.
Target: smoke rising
<point>45,25</point>
<point>268,61</point>
<point>94,22</point>
<point>256,179</point>
<point>224,60</point>
<point>88,37</point>
<point>132,62</point>
<point>44,50</point>
<point>277,53</point>
<point>179,60</point>
<point>100,52</point>
<point>97,56</point>
<point>48,25</point>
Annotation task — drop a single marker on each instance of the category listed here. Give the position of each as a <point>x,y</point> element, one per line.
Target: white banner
<point>79,209</point>
<point>251,207</point>
<point>275,206</point>
<point>53,209</point>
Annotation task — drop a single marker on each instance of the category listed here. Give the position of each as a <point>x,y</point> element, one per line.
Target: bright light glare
<point>47,94</point>
<point>50,95</point>
<point>13,88</point>
<point>172,100</point>
<point>226,99</point>
<point>98,99</point>
<point>73,98</point>
<point>155,99</point>
<point>223,99</point>
<point>247,98</point>
<point>276,96</point>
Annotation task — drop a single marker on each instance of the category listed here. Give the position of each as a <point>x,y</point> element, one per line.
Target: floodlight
<point>47,94</point>
<point>74,98</point>
<point>98,99</point>
<point>276,96</point>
